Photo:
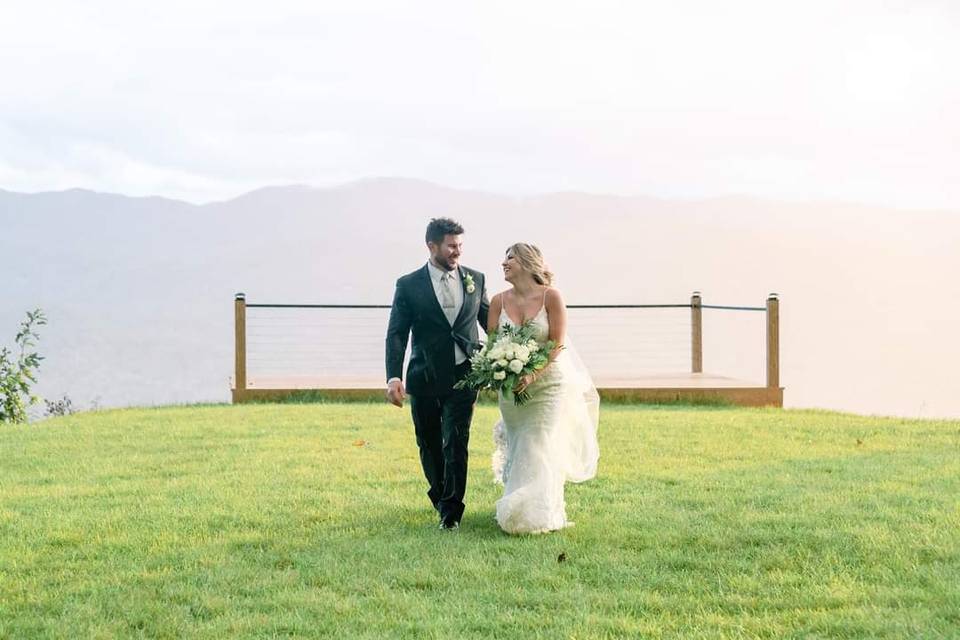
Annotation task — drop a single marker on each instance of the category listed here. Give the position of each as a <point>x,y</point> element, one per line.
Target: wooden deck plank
<point>673,387</point>
<point>659,381</point>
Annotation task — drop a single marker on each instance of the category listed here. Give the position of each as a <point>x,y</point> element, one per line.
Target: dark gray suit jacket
<point>417,311</point>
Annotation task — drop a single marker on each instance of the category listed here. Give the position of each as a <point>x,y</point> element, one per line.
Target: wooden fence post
<point>240,331</point>
<point>696,338</point>
<point>773,341</point>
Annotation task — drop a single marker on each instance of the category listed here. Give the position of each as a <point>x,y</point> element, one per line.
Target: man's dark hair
<point>440,227</point>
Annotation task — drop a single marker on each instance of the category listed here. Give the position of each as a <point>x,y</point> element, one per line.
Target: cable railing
<point>281,341</point>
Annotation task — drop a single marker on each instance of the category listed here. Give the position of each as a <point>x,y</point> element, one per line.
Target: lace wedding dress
<point>544,443</point>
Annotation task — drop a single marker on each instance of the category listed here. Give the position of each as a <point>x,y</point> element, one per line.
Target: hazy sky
<point>797,100</point>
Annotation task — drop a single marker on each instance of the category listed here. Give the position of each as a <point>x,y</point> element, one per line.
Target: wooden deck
<point>676,387</point>
<point>663,388</point>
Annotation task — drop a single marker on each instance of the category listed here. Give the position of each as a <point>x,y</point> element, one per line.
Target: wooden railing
<point>696,306</point>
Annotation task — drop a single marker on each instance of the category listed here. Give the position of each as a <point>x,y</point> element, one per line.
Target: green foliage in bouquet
<point>509,354</point>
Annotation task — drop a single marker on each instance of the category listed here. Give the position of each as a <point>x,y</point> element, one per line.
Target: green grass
<point>290,520</point>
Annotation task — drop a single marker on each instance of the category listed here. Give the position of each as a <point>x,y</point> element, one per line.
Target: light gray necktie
<point>446,297</point>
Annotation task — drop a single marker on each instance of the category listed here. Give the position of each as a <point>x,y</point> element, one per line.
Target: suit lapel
<point>466,298</point>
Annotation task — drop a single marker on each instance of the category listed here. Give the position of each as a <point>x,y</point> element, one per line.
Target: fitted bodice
<point>540,323</point>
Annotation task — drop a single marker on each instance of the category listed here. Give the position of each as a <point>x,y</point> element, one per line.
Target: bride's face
<point>511,268</point>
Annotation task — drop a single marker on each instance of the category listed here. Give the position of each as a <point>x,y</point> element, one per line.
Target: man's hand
<point>395,393</point>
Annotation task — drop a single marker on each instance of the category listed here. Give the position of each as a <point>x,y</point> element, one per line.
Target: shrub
<point>61,407</point>
<point>19,375</point>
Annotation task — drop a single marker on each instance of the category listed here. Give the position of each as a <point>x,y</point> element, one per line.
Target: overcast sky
<point>795,100</point>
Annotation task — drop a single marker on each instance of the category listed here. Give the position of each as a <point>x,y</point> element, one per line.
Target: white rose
<point>516,366</point>
<point>495,354</point>
<point>532,345</point>
<point>509,351</point>
<point>501,363</point>
<point>522,354</point>
<point>499,375</point>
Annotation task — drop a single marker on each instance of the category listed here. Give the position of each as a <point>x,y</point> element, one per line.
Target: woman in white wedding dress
<point>552,438</point>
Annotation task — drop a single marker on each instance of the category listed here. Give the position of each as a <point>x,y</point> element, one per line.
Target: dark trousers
<point>442,425</point>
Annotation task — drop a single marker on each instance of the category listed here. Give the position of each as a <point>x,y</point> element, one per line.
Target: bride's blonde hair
<point>531,259</point>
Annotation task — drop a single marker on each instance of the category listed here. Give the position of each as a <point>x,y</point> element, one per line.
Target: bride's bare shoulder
<point>553,297</point>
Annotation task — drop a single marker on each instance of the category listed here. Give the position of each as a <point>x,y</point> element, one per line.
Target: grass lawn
<point>266,521</point>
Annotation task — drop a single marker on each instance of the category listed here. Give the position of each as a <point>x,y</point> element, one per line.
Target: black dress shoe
<point>449,525</point>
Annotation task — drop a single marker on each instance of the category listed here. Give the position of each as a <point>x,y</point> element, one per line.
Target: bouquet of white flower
<point>509,354</point>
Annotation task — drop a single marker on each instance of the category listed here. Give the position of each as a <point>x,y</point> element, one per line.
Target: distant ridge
<point>413,186</point>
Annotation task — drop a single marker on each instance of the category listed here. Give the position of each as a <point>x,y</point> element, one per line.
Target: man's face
<point>446,255</point>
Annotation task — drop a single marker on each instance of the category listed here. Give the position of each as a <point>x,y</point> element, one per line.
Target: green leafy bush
<point>17,376</point>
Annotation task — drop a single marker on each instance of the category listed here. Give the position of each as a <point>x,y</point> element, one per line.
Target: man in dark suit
<point>440,305</point>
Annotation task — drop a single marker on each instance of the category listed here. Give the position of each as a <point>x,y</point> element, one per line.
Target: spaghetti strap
<point>543,303</point>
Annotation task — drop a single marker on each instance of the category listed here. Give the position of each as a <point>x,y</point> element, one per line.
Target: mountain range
<point>139,291</point>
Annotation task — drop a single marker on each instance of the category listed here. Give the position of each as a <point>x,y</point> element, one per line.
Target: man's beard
<point>444,263</point>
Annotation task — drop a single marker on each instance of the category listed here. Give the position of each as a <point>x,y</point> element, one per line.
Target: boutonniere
<point>468,283</point>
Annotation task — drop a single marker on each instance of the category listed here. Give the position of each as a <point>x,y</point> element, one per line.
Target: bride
<point>551,438</point>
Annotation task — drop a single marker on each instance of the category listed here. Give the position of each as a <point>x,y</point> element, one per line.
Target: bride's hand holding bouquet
<point>510,361</point>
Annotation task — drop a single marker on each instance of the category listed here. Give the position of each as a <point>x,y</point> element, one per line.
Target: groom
<point>440,304</point>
